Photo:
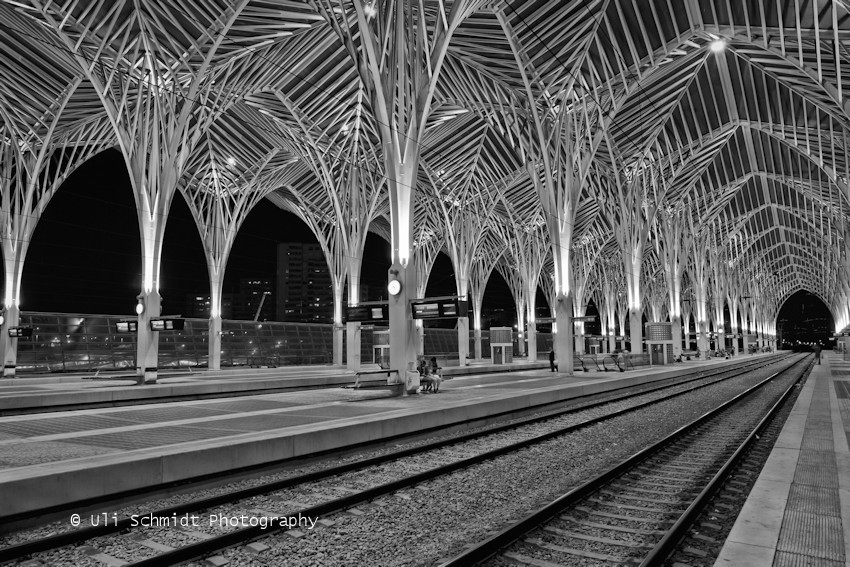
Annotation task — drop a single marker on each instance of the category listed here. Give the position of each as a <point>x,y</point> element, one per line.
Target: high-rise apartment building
<point>304,290</point>
<point>198,305</point>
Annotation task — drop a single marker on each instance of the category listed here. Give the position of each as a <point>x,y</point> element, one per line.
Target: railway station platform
<point>74,391</point>
<point>798,512</point>
<point>64,458</point>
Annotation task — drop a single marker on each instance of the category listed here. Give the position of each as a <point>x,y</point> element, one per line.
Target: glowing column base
<point>352,346</point>
<point>215,343</point>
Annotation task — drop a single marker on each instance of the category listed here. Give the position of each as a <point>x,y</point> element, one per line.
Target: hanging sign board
<point>126,326</point>
<point>361,313</point>
<point>439,309</point>
<point>167,324</point>
<point>20,332</point>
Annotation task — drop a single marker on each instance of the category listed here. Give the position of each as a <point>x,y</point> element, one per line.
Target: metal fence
<point>66,342</point>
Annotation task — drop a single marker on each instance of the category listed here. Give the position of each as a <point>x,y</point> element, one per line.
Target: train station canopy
<point>608,127</point>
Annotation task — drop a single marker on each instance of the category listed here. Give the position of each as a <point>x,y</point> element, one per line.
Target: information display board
<point>126,326</point>
<point>361,313</point>
<point>167,324</point>
<point>440,308</point>
<point>20,332</point>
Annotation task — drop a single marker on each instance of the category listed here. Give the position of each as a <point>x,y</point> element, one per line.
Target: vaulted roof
<point>753,138</point>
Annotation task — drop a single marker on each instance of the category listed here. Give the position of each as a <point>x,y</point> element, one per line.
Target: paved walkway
<point>798,513</point>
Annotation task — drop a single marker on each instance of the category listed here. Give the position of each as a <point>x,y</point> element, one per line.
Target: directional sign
<point>126,326</point>
<point>167,324</point>
<point>450,308</point>
<point>362,313</point>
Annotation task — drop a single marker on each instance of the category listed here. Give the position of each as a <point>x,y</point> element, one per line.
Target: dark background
<point>85,256</point>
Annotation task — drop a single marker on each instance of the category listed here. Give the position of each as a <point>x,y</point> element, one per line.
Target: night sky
<point>85,253</point>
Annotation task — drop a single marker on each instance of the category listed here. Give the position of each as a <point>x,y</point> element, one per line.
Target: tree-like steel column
<point>160,95</point>
<point>631,201</point>
<point>466,210</point>
<point>610,271</point>
<point>34,162</point>
<point>698,272</point>
<point>527,247</point>
<point>507,266</point>
<point>398,49</point>
<point>734,292</point>
<point>346,199</point>
<point>427,244</point>
<point>685,343</point>
<point>482,268</point>
<point>672,240</point>
<point>221,193</point>
<point>717,262</point>
<point>561,135</point>
<point>584,256</point>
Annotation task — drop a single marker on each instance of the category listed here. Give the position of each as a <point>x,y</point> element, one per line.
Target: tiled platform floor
<point>798,512</point>
<point>27,393</point>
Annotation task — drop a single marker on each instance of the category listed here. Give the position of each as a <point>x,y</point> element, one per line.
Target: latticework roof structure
<point>738,108</point>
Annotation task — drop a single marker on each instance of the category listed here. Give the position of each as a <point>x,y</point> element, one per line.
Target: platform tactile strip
<point>251,405</point>
<point>813,500</point>
<point>58,425</point>
<point>812,534</point>
<point>817,458</point>
<point>26,454</point>
<point>821,444</point>
<point>785,559</point>
<point>160,415</point>
<point>145,438</point>
<point>816,475</point>
<point>258,422</point>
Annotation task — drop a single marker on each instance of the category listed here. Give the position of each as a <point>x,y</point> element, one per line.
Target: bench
<point>383,371</point>
<point>578,364</point>
<point>628,361</point>
<point>688,354</point>
<point>610,360</point>
<point>588,362</point>
<point>444,362</point>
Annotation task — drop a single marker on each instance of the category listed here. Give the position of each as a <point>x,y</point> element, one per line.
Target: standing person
<point>817,353</point>
<point>552,359</point>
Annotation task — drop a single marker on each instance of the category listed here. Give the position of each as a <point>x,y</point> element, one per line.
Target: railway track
<point>637,512</point>
<point>299,497</point>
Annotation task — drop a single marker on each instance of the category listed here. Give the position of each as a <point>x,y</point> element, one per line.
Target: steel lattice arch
<point>673,159</point>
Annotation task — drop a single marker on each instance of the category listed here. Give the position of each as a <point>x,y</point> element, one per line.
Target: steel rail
<point>24,549</point>
<point>183,484</point>
<point>492,545</point>
<point>678,530</point>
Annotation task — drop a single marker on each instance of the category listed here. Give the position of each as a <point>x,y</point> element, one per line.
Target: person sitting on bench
<point>431,378</point>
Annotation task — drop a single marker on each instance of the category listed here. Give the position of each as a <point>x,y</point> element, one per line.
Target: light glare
<point>718,45</point>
